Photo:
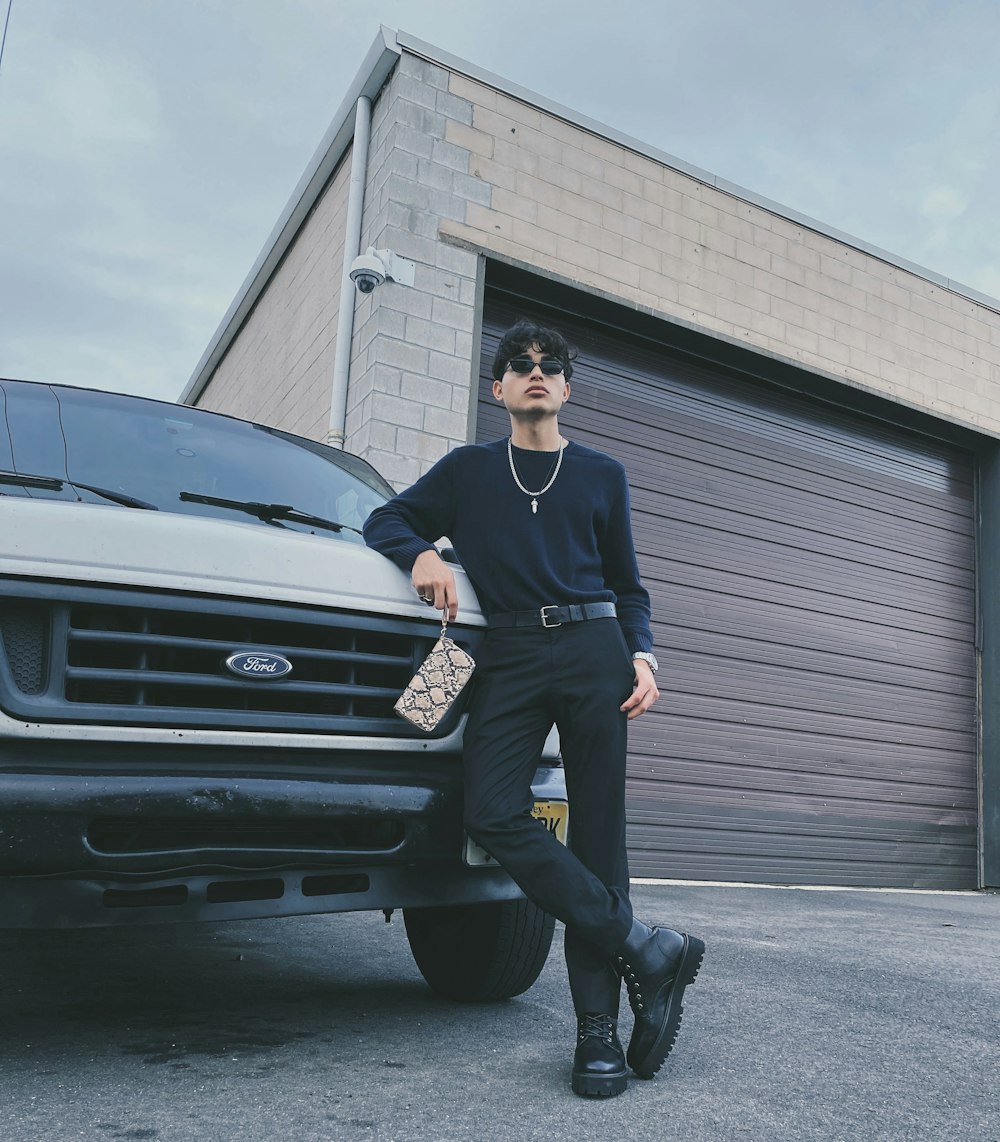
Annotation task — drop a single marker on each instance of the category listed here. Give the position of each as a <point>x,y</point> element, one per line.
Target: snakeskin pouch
<point>435,686</point>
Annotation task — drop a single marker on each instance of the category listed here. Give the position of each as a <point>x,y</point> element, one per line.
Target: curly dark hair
<point>522,335</point>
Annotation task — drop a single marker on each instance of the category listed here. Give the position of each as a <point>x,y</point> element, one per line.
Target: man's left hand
<point>645,692</point>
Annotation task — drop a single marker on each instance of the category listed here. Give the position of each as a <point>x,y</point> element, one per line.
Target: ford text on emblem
<point>258,664</point>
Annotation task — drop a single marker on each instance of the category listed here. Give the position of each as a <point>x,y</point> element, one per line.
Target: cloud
<point>943,203</point>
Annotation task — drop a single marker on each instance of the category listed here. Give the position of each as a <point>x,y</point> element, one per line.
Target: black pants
<point>527,679</point>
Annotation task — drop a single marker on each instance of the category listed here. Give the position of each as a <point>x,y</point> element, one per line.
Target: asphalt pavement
<point>833,1015</point>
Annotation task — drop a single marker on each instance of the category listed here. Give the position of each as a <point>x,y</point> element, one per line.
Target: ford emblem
<point>258,664</point>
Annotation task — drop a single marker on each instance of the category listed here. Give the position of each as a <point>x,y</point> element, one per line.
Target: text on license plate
<point>553,814</point>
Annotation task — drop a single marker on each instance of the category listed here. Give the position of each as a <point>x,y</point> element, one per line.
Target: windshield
<point>153,451</point>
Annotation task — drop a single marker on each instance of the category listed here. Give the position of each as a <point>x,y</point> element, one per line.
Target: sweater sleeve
<point>409,523</point>
<point>621,571</point>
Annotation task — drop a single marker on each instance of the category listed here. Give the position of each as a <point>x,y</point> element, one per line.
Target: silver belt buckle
<point>545,617</point>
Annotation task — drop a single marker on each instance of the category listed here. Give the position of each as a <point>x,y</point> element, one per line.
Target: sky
<point>147,147</point>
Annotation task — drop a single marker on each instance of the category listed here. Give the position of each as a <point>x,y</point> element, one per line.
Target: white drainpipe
<point>352,247</point>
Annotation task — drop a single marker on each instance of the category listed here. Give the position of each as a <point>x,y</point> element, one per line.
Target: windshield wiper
<point>269,513</point>
<point>56,484</point>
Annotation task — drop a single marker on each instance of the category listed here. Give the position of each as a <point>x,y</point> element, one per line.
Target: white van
<point>198,663</point>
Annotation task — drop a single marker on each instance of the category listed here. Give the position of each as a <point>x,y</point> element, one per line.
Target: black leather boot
<point>599,1069</point>
<point>657,964</point>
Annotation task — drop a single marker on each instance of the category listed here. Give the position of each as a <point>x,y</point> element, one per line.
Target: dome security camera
<point>370,269</point>
<point>367,271</point>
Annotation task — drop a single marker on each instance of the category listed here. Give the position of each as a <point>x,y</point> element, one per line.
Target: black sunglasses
<point>550,366</point>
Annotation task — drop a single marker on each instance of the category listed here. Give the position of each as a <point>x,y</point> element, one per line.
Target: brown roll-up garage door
<point>812,579</point>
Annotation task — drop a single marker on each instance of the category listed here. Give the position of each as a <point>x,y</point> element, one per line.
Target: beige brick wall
<point>279,369</point>
<point>592,211</point>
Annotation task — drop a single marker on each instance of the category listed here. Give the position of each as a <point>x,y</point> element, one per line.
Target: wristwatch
<point>647,657</point>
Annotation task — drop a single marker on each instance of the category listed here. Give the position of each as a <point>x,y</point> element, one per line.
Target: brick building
<point>810,425</point>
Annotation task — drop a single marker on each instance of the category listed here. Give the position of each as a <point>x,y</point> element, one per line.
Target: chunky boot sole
<point>687,971</point>
<point>599,1086</point>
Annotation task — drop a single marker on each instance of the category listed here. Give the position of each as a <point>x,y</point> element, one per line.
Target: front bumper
<point>95,835</point>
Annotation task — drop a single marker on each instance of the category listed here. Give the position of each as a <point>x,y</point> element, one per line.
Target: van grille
<point>135,660</point>
<point>24,635</point>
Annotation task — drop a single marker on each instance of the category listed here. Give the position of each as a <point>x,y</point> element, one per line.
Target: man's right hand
<point>434,582</point>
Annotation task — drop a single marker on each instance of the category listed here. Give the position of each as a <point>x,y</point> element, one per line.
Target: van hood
<point>123,547</point>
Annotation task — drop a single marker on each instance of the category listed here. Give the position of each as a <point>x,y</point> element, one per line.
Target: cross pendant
<point>534,507</point>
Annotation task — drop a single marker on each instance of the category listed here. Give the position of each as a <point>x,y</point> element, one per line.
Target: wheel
<point>479,953</point>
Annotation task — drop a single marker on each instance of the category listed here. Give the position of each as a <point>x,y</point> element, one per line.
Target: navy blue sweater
<point>577,549</point>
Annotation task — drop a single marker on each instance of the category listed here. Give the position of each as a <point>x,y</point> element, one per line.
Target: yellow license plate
<point>555,816</point>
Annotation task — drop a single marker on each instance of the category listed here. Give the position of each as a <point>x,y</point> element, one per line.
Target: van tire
<point>480,953</point>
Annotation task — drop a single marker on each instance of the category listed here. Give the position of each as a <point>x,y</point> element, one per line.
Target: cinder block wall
<point>279,369</point>
<point>412,371</point>
<point>464,168</point>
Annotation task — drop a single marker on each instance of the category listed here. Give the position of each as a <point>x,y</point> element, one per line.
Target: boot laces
<point>631,983</point>
<point>596,1027</point>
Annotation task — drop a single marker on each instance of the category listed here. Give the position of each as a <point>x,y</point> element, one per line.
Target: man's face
<point>530,392</point>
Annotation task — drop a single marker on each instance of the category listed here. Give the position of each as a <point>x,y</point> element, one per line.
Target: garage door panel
<point>784,564</point>
<point>796,872</point>
<point>736,872</point>
<point>643,446</point>
<point>701,823</point>
<point>812,574</point>
<point>931,858</point>
<point>814,663</point>
<point>806,790</point>
<point>868,644</point>
<point>653,510</point>
<point>626,421</point>
<point>823,512</point>
<point>701,700</point>
<point>919,774</point>
<point>812,839</point>
<point>730,583</point>
<point>937,877</point>
<point>740,407</point>
<point>897,536</point>
<point>812,693</point>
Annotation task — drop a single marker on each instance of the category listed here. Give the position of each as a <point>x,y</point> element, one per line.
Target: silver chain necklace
<point>517,478</point>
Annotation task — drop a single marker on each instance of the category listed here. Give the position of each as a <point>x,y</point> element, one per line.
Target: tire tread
<point>480,953</point>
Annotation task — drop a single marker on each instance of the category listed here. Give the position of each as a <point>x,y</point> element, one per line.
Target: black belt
<point>553,616</point>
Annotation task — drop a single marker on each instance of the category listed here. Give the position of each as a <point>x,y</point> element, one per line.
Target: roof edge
<point>371,76</point>
<point>432,54</point>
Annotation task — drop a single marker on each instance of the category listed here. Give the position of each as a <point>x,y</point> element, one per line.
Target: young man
<point>541,526</point>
